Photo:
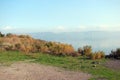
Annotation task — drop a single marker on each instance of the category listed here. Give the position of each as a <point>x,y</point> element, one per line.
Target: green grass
<point>66,62</point>
<point>79,64</point>
<point>8,57</point>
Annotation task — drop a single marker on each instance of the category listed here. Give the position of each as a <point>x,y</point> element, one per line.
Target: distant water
<point>105,41</point>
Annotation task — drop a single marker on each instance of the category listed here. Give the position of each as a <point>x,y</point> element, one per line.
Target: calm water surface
<point>105,41</point>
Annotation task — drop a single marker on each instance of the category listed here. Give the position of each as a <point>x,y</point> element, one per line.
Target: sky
<point>28,16</point>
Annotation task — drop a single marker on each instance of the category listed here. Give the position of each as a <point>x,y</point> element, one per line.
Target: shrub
<point>27,44</point>
<point>59,48</point>
<point>10,35</point>
<point>86,50</point>
<point>1,35</point>
<point>93,56</point>
<point>114,54</point>
<point>97,55</point>
<point>80,51</point>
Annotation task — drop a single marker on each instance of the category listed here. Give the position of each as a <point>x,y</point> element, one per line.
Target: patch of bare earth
<point>33,71</point>
<point>113,64</point>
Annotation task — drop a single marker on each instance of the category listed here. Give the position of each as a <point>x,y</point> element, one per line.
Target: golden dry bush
<point>57,48</point>
<point>97,55</point>
<point>87,50</point>
<point>27,44</point>
<point>93,56</point>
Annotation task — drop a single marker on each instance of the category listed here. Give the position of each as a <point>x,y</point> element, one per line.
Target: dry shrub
<point>97,55</point>
<point>59,48</point>
<point>27,44</point>
<point>87,50</point>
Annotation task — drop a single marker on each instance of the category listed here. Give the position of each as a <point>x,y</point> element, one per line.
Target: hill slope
<point>28,44</point>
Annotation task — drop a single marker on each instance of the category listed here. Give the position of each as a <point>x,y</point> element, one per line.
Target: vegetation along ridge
<point>23,47</point>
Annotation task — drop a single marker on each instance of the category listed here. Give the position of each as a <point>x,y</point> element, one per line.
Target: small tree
<point>1,35</point>
<point>118,52</point>
<point>80,51</point>
<point>87,50</point>
<point>9,34</point>
<point>115,54</point>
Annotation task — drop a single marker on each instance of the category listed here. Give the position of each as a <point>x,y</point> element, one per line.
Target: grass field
<point>8,57</point>
<point>98,70</point>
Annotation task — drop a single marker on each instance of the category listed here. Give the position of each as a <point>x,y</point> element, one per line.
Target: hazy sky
<point>59,15</point>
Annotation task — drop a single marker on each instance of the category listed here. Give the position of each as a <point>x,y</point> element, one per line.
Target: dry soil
<point>34,71</point>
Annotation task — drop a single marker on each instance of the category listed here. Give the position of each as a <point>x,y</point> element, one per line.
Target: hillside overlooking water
<point>99,40</point>
<point>60,40</point>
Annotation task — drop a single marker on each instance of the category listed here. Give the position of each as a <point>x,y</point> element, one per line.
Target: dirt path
<point>113,64</point>
<point>33,71</point>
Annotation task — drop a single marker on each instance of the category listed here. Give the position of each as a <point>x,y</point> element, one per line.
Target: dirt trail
<point>113,64</point>
<point>33,71</point>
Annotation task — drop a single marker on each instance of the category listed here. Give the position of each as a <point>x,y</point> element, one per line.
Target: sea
<point>99,40</point>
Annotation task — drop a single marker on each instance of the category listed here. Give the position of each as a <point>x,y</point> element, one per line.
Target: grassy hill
<point>15,48</point>
<point>28,44</point>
